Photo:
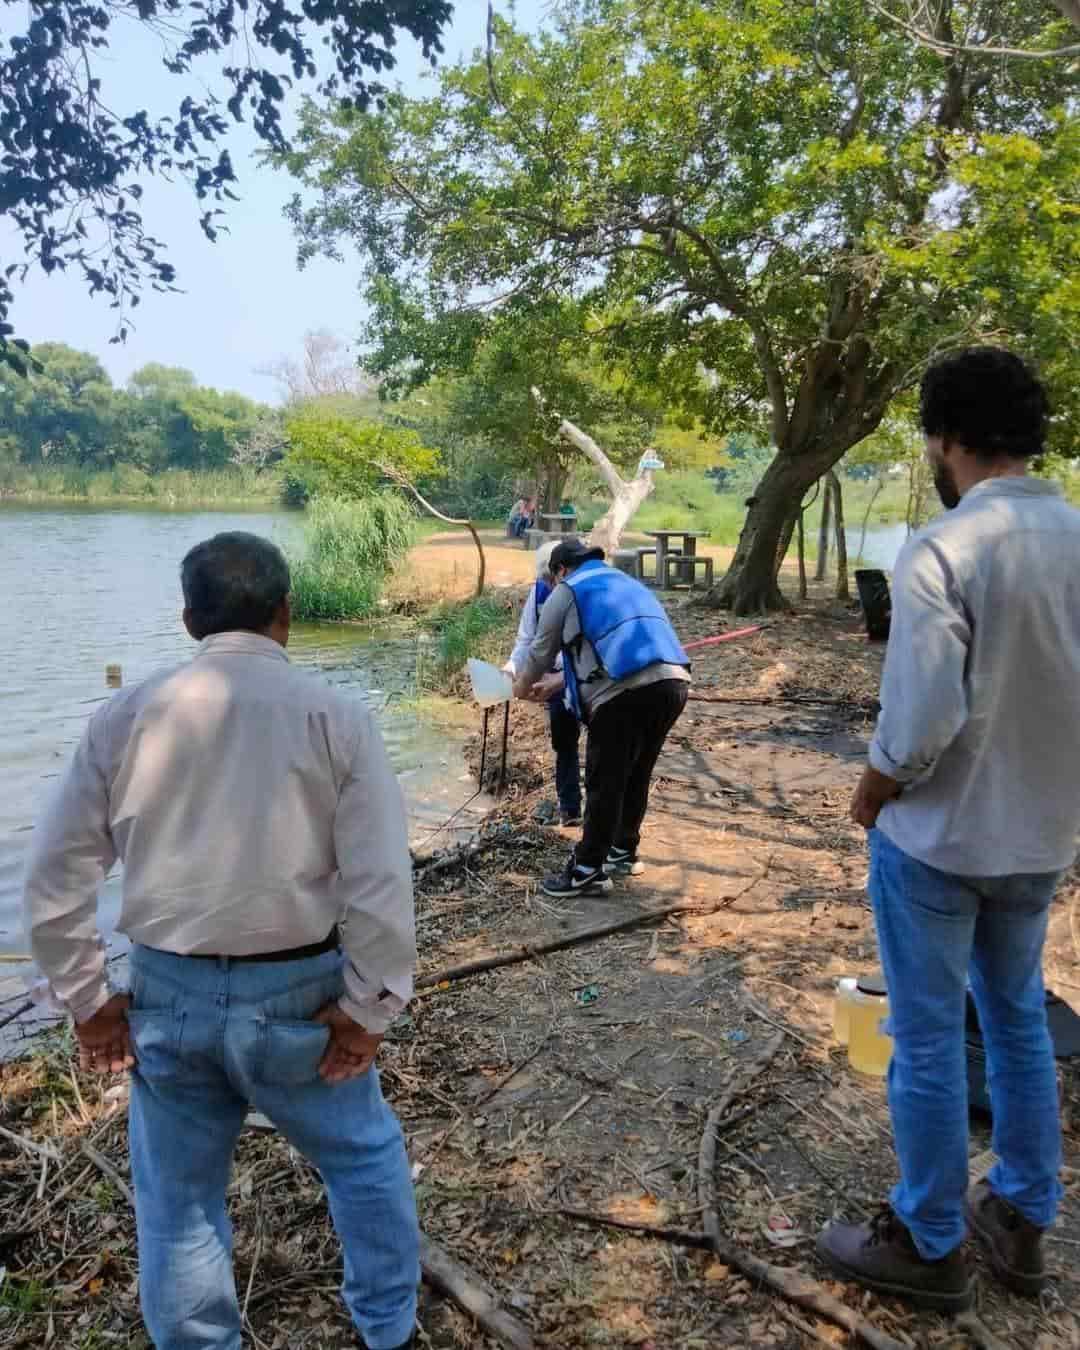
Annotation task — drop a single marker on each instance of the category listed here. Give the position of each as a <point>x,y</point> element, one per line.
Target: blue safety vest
<point>624,623</point>
<point>541,591</point>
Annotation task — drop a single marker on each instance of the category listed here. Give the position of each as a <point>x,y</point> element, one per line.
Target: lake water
<point>82,588</point>
<point>883,544</point>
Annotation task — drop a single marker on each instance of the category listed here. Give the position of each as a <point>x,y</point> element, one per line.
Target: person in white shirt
<point>267,891</point>
<point>564,726</point>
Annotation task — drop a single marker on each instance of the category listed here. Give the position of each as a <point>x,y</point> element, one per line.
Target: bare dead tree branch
<point>402,481</point>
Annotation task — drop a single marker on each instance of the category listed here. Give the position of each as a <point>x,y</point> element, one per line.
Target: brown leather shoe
<point>1013,1243</point>
<point>882,1256</point>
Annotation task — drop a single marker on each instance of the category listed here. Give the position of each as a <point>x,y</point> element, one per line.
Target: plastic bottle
<point>869,1046</point>
<point>845,997</point>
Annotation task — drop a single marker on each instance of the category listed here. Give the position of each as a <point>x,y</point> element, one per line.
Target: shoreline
<point>546,1055</point>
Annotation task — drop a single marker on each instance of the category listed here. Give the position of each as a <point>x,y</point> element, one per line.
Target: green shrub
<point>482,628</point>
<point>691,500</point>
<point>349,550</point>
<point>127,480</point>
<point>295,491</point>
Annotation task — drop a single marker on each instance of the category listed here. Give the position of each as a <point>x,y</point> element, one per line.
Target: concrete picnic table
<point>565,522</point>
<point>663,548</point>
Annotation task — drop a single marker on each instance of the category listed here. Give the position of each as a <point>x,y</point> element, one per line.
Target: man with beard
<point>972,801</point>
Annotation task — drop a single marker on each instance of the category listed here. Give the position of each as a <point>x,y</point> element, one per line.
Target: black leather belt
<point>330,943</point>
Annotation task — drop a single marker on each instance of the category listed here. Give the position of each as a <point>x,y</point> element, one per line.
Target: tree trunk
<point>823,530</point>
<point>626,497</point>
<point>843,591</point>
<point>749,585</point>
<point>555,476</point>
<point>607,531</point>
<point>800,529</point>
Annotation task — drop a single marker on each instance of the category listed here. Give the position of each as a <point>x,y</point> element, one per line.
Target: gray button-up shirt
<point>253,806</point>
<point>980,697</point>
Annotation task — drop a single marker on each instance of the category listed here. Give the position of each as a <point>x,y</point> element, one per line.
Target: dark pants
<point>565,732</point>
<point>625,740</point>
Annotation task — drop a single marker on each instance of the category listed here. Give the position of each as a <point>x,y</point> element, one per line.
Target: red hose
<point>724,637</point>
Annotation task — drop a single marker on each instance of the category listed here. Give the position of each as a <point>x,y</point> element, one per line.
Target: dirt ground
<point>582,1079</point>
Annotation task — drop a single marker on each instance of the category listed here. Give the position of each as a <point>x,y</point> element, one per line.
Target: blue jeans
<point>210,1039</point>
<point>936,931</point>
<point>565,734</point>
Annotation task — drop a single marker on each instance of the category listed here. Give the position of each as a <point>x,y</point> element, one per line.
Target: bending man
<point>564,726</point>
<point>626,678</point>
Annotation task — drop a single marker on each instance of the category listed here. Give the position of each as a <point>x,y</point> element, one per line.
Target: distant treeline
<point>71,413</point>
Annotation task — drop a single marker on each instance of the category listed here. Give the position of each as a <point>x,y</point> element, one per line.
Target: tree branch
<point>1069,8</point>
<point>759,329</point>
<point>587,446</point>
<point>396,476</point>
<point>490,34</point>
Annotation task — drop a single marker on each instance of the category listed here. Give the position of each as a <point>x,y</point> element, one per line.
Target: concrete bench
<point>649,551</point>
<point>682,571</point>
<point>628,560</point>
<point>534,538</point>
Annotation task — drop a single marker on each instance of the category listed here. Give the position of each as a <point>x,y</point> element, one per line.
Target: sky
<point>244,303</point>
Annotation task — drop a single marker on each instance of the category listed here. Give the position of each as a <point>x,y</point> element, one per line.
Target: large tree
<point>74,161</point>
<point>68,411</point>
<point>489,358</point>
<point>787,208</point>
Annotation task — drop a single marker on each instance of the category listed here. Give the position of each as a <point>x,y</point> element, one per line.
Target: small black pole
<point>505,741</point>
<point>483,747</point>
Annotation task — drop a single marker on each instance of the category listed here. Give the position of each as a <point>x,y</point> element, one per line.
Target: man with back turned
<point>627,678</point>
<point>972,800</point>
<point>255,811</point>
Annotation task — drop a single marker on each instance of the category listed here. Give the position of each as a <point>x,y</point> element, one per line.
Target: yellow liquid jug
<point>869,1047</point>
<point>845,997</point>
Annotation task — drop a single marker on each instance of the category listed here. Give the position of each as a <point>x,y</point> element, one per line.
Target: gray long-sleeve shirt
<point>559,627</point>
<point>980,697</point>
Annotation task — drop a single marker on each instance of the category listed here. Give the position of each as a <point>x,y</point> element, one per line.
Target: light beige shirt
<point>253,806</point>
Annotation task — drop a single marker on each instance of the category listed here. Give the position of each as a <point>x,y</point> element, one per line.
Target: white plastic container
<point>845,997</point>
<point>869,1044</point>
<point>490,685</point>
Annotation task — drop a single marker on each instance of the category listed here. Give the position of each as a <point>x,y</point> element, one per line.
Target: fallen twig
<point>530,951</point>
<point>681,1237</point>
<point>39,1150</point>
<point>751,1006</point>
<point>583,1101</point>
<point>454,1280</point>
<point>438,1145</point>
<point>455,855</point>
<point>740,1078</point>
<point>980,1333</point>
<point>104,1165</point>
<point>440,1270</point>
<point>794,700</point>
<point>790,1284</point>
